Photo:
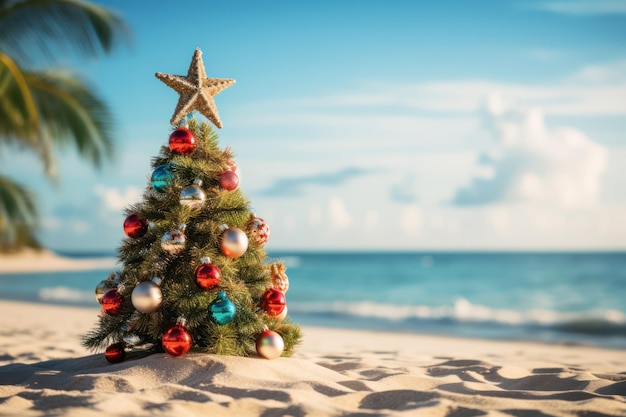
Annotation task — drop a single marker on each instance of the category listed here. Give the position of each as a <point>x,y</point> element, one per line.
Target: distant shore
<point>30,260</point>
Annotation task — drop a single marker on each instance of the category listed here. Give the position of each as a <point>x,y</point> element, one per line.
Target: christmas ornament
<point>134,226</point>
<point>279,278</point>
<point>174,241</point>
<point>111,302</point>
<point>273,302</point>
<point>222,309</point>
<point>131,338</point>
<point>147,296</point>
<point>196,91</point>
<point>115,353</point>
<point>229,180</point>
<point>176,340</point>
<point>193,196</point>
<point>162,177</point>
<point>234,242</point>
<point>259,230</point>
<point>282,316</point>
<point>269,344</point>
<point>232,166</point>
<point>106,284</point>
<point>208,276</point>
<point>182,141</point>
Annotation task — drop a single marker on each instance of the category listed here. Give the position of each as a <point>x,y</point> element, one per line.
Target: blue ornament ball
<point>222,309</point>
<point>162,177</point>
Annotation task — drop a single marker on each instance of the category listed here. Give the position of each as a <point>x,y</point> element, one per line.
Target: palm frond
<point>72,115</point>
<point>18,213</point>
<point>19,115</point>
<point>32,29</point>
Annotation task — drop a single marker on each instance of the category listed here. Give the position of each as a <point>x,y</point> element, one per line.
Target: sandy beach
<point>335,372</point>
<point>29,261</point>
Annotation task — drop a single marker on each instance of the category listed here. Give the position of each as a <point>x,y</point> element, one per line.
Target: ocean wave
<point>462,311</point>
<point>65,294</point>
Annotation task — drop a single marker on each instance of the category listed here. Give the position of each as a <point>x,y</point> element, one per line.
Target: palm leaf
<point>19,115</point>
<point>72,115</point>
<point>18,213</point>
<point>35,29</point>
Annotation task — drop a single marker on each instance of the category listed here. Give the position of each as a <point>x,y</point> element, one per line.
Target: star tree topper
<point>196,90</point>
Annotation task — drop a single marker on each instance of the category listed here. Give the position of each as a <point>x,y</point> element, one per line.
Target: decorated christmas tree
<point>194,274</point>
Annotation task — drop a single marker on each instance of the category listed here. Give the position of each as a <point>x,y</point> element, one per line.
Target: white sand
<point>45,371</point>
<point>28,260</point>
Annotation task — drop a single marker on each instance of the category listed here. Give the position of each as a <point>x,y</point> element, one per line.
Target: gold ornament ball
<point>282,316</point>
<point>270,344</point>
<point>234,242</point>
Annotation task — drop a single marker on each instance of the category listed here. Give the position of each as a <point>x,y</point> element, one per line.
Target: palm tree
<point>44,110</point>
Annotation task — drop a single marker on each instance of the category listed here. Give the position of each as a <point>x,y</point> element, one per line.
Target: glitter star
<point>196,91</point>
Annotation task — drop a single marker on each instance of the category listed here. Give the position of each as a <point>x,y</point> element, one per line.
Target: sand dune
<point>44,371</point>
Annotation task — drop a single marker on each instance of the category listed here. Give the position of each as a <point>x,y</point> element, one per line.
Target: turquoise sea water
<point>560,297</point>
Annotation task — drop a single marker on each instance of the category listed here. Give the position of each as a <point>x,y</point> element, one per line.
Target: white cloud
<point>591,90</point>
<point>583,7</point>
<point>51,223</point>
<point>371,219</point>
<point>115,199</point>
<point>315,216</point>
<point>340,218</point>
<point>531,163</point>
<point>411,219</point>
<point>79,227</point>
<point>608,73</point>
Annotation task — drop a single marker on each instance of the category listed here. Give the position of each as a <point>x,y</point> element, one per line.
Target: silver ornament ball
<point>105,285</point>
<point>146,297</point>
<point>193,196</point>
<point>174,241</point>
<point>270,344</point>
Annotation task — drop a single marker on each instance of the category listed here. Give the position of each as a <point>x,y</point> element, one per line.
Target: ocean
<point>573,298</point>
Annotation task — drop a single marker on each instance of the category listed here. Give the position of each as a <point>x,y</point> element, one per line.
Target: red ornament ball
<point>208,276</point>
<point>176,341</point>
<point>115,353</point>
<point>229,180</point>
<point>273,302</point>
<point>134,226</point>
<point>182,141</point>
<point>112,302</point>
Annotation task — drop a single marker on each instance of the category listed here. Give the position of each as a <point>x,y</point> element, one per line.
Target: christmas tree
<point>195,274</point>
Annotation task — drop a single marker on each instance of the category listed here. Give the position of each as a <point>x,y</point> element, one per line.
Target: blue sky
<point>375,125</point>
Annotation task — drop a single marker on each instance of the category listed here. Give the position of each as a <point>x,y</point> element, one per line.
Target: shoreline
<point>335,372</point>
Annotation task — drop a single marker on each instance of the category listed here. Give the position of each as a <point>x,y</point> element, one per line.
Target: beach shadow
<point>572,396</point>
<point>62,374</point>
<point>527,413</point>
<point>465,412</point>
<point>44,401</point>
<point>291,411</point>
<point>398,400</point>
